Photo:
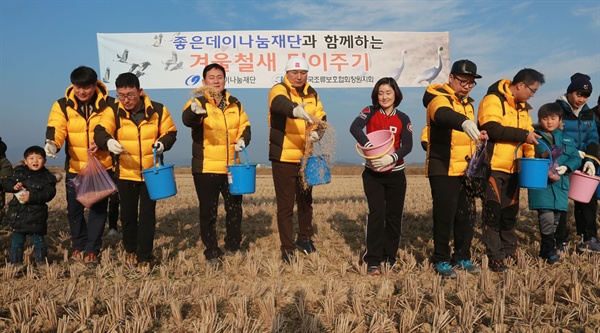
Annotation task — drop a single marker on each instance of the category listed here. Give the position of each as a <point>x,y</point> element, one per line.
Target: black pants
<point>585,221</point>
<point>453,213</point>
<point>208,187</point>
<point>138,228</point>
<point>288,189</point>
<point>385,196</point>
<point>85,237</point>
<point>113,211</point>
<point>501,206</point>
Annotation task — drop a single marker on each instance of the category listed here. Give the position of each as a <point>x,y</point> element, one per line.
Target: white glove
<point>239,145</point>
<point>299,112</point>
<point>314,136</point>
<point>382,162</point>
<point>50,149</point>
<point>196,108</point>
<point>581,154</point>
<point>160,147</point>
<point>561,170</point>
<point>588,167</point>
<point>115,147</point>
<point>470,128</point>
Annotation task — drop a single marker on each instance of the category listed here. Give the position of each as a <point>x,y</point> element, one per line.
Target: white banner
<point>256,59</point>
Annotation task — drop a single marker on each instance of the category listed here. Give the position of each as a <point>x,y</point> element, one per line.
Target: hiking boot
<point>287,257</point>
<point>113,233</point>
<point>306,246</point>
<point>90,259</point>
<point>373,270</point>
<point>590,246</point>
<point>497,266</point>
<point>467,266</point>
<point>444,269</point>
<point>40,255</point>
<point>130,258</point>
<point>76,256</point>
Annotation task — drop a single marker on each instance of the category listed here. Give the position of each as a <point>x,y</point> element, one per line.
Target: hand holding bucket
<point>382,143</point>
<point>160,179</point>
<point>533,172</point>
<point>241,177</point>
<point>583,186</point>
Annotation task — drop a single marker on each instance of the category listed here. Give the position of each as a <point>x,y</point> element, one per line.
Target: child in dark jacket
<point>27,214</point>
<point>554,199</point>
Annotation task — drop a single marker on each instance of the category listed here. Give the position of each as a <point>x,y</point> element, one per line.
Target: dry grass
<point>325,292</point>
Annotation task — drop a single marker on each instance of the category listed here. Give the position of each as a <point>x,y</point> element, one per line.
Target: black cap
<point>465,67</point>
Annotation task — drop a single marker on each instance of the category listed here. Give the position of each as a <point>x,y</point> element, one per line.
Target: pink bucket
<point>382,143</point>
<point>582,186</point>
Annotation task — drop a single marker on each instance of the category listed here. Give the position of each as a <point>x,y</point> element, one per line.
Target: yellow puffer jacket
<point>67,125</point>
<point>449,146</point>
<point>507,124</point>
<point>287,136</point>
<point>137,140</point>
<point>214,135</point>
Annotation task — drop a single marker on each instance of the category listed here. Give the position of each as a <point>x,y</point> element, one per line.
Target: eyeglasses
<point>465,83</point>
<point>533,91</point>
<point>123,97</point>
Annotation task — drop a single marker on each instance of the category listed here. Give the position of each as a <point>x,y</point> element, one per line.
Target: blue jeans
<point>18,240</point>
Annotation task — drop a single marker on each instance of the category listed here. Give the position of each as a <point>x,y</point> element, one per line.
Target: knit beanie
<point>580,82</point>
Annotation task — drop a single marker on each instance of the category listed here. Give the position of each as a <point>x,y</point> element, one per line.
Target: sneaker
<point>497,266</point>
<point>112,233</point>
<point>130,258</point>
<point>445,270</point>
<point>552,258</point>
<point>467,265</point>
<point>562,248</point>
<point>76,256</point>
<point>90,259</point>
<point>287,257</point>
<point>590,246</point>
<point>373,270</point>
<point>306,246</point>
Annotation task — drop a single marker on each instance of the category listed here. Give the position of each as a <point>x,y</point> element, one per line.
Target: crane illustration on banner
<point>430,74</point>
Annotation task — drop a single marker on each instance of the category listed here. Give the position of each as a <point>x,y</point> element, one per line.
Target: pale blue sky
<point>41,42</point>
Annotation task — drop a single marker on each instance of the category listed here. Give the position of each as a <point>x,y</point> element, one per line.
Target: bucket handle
<point>378,156</point>
<point>235,156</point>
<point>593,158</point>
<point>157,161</point>
<point>539,142</point>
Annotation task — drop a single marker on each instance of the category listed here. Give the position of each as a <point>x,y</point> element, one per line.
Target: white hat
<point>296,63</point>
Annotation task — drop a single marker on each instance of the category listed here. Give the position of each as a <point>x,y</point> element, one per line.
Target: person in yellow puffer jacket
<point>220,128</point>
<point>71,123</point>
<point>292,106</point>
<point>453,136</point>
<point>131,131</point>
<point>504,115</point>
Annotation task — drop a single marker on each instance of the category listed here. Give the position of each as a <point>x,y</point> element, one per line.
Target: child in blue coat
<point>554,199</point>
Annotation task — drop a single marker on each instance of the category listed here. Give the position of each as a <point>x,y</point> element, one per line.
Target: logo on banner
<point>192,80</point>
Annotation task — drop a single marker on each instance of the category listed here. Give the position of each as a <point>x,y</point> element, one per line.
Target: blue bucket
<point>241,177</point>
<point>533,172</point>
<point>316,171</point>
<point>160,180</point>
